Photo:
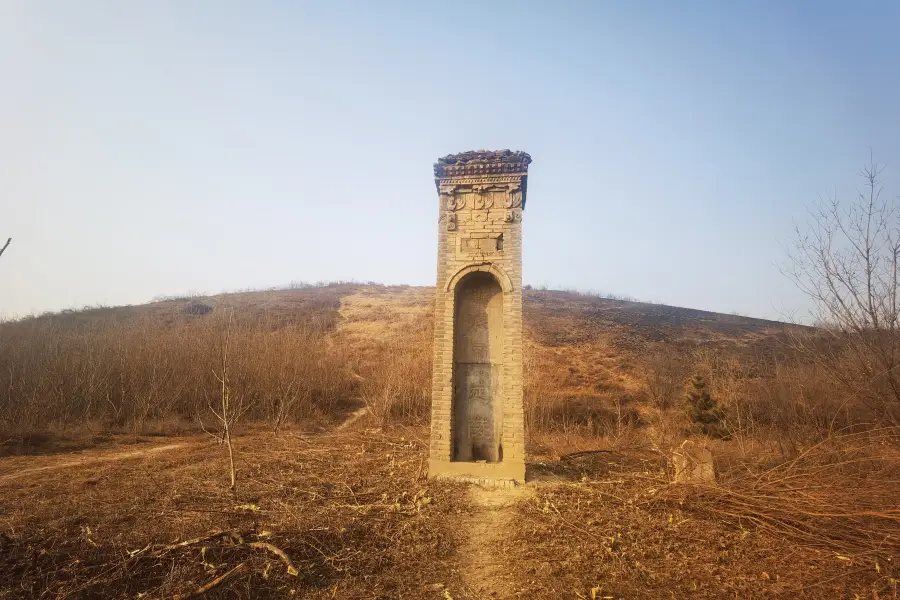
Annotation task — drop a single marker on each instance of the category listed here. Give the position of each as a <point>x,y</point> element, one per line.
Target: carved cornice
<point>481,170</point>
<point>482,162</point>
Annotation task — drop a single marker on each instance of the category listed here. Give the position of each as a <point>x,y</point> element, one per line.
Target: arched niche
<point>486,267</point>
<point>477,368</point>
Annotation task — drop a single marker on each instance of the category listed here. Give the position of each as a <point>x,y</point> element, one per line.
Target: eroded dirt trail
<point>486,571</point>
<point>89,458</point>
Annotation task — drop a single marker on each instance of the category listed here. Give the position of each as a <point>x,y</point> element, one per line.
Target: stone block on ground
<point>694,463</point>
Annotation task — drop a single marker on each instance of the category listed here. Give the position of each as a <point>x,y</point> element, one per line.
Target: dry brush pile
<point>838,495</point>
<point>822,525</point>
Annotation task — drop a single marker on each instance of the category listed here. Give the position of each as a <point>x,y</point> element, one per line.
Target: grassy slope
<point>552,318</point>
<point>582,352</point>
<point>583,343</point>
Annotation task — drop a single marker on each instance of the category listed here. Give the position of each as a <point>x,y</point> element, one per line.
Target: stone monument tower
<point>477,420</point>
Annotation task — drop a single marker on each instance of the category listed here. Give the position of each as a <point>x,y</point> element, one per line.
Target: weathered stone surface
<point>477,420</point>
<point>481,162</point>
<point>693,463</point>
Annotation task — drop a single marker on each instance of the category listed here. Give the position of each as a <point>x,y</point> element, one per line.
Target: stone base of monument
<point>507,471</point>
<point>486,483</point>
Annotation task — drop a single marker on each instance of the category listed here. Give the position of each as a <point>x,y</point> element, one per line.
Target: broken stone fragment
<point>694,463</point>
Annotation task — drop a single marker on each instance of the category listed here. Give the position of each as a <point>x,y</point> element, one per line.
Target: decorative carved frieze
<point>481,197</point>
<point>450,183</point>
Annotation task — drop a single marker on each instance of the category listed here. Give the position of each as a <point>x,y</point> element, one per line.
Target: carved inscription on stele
<point>478,353</point>
<point>481,245</point>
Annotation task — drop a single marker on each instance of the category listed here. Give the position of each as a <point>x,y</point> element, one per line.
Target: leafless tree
<point>230,409</point>
<point>664,375</point>
<point>846,259</point>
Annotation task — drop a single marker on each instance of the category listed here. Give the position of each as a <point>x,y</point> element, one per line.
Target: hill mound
<point>312,353</point>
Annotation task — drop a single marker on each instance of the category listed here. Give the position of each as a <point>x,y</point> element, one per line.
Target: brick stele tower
<point>477,420</point>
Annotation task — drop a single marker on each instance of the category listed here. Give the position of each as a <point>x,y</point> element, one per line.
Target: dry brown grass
<point>354,515</point>
<point>594,367</point>
<point>390,332</point>
<point>838,495</point>
<point>807,471</point>
<point>128,369</point>
<point>310,353</point>
<point>352,512</point>
<point>821,526</point>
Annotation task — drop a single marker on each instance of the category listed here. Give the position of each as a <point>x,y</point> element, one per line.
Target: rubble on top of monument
<point>485,156</point>
<point>482,161</point>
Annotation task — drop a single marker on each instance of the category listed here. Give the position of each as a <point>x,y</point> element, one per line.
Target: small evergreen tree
<point>703,411</point>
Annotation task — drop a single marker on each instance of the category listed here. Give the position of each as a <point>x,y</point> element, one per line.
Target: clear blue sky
<point>151,148</point>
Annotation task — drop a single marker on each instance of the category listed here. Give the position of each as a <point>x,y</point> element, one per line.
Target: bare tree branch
<point>847,260</point>
<point>229,410</point>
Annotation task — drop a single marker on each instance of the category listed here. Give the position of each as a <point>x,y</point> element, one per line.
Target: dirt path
<point>486,572</point>
<point>91,459</point>
<point>353,418</point>
<point>87,458</point>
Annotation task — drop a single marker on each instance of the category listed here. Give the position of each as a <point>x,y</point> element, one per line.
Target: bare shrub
<point>602,415</point>
<point>537,391</point>
<point>846,259</point>
<point>395,378</point>
<point>668,429</point>
<point>305,376</point>
<point>664,374</point>
<point>797,400</point>
<point>551,408</point>
<point>782,396</point>
<point>125,372</point>
<point>229,409</point>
